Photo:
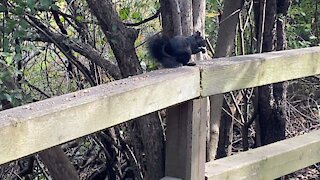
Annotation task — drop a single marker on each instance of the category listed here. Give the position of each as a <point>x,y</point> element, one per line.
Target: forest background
<point>53,47</point>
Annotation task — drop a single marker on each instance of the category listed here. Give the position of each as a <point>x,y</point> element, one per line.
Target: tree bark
<point>224,47</point>
<point>58,164</point>
<point>186,17</point>
<point>176,17</point>
<point>148,128</point>
<point>120,38</point>
<point>168,28</point>
<point>198,13</point>
<point>272,116</point>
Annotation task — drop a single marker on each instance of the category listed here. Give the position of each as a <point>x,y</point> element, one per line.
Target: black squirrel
<point>172,52</point>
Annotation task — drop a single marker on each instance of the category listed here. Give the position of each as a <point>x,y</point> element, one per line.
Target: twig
<point>210,46</point>
<point>230,15</point>
<point>145,20</point>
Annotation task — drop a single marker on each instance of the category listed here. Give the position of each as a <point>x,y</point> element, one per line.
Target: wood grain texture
<point>170,178</point>
<point>33,127</point>
<point>227,74</point>
<point>270,161</point>
<point>186,140</point>
<point>37,126</point>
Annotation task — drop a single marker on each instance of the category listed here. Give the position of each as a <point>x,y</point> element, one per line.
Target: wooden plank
<point>27,129</point>
<point>186,140</point>
<point>270,161</point>
<point>170,178</point>
<point>228,74</point>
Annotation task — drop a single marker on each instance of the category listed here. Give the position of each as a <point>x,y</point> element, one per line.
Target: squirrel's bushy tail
<point>156,47</point>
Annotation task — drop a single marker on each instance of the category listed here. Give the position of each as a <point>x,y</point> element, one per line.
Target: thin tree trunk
<point>271,109</point>
<point>176,17</point>
<point>224,47</point>
<point>186,17</point>
<point>148,127</point>
<point>168,28</point>
<point>198,13</point>
<point>58,164</point>
<point>120,38</point>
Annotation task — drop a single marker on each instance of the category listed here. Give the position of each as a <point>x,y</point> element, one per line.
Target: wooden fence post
<point>186,140</point>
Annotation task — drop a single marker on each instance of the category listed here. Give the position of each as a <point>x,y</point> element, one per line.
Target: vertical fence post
<point>186,140</point>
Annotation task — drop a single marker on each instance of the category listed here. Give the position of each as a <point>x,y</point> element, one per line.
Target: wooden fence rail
<point>37,126</point>
<point>34,127</point>
<point>270,161</point>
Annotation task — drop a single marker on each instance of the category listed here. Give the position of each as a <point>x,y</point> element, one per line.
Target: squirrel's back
<point>157,49</point>
<point>172,52</point>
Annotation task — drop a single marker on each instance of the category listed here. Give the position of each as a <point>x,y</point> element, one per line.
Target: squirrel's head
<point>201,42</point>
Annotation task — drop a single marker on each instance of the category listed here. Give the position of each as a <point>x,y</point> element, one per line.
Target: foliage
<point>213,10</point>
<point>303,24</point>
<point>7,93</point>
<point>39,40</point>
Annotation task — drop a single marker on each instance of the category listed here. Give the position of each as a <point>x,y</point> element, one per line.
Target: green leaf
<point>79,18</point>
<point>6,44</point>
<point>18,57</point>
<point>18,10</point>
<point>2,8</point>
<point>31,3</point>
<point>54,7</point>
<point>136,15</point>
<point>18,96</point>
<point>46,4</point>
<point>24,24</point>
<point>313,37</point>
<point>11,24</point>
<point>124,13</point>
<point>62,19</point>
<point>6,96</point>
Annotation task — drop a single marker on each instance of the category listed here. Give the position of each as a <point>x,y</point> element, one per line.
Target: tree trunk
<point>224,47</point>
<point>198,13</point>
<point>272,116</point>
<point>148,127</point>
<point>58,164</point>
<point>120,38</point>
<point>168,28</point>
<point>186,17</point>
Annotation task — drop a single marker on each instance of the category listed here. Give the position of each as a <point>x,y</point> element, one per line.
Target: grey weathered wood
<point>30,128</point>
<point>186,138</point>
<point>270,161</point>
<point>170,178</point>
<point>228,74</point>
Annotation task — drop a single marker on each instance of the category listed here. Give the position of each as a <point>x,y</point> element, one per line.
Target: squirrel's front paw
<point>191,64</point>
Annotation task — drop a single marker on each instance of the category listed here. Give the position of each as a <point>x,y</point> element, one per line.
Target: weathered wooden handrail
<point>270,161</point>
<point>238,72</point>
<point>31,128</point>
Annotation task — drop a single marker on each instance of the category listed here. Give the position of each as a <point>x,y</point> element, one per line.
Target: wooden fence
<point>37,126</point>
